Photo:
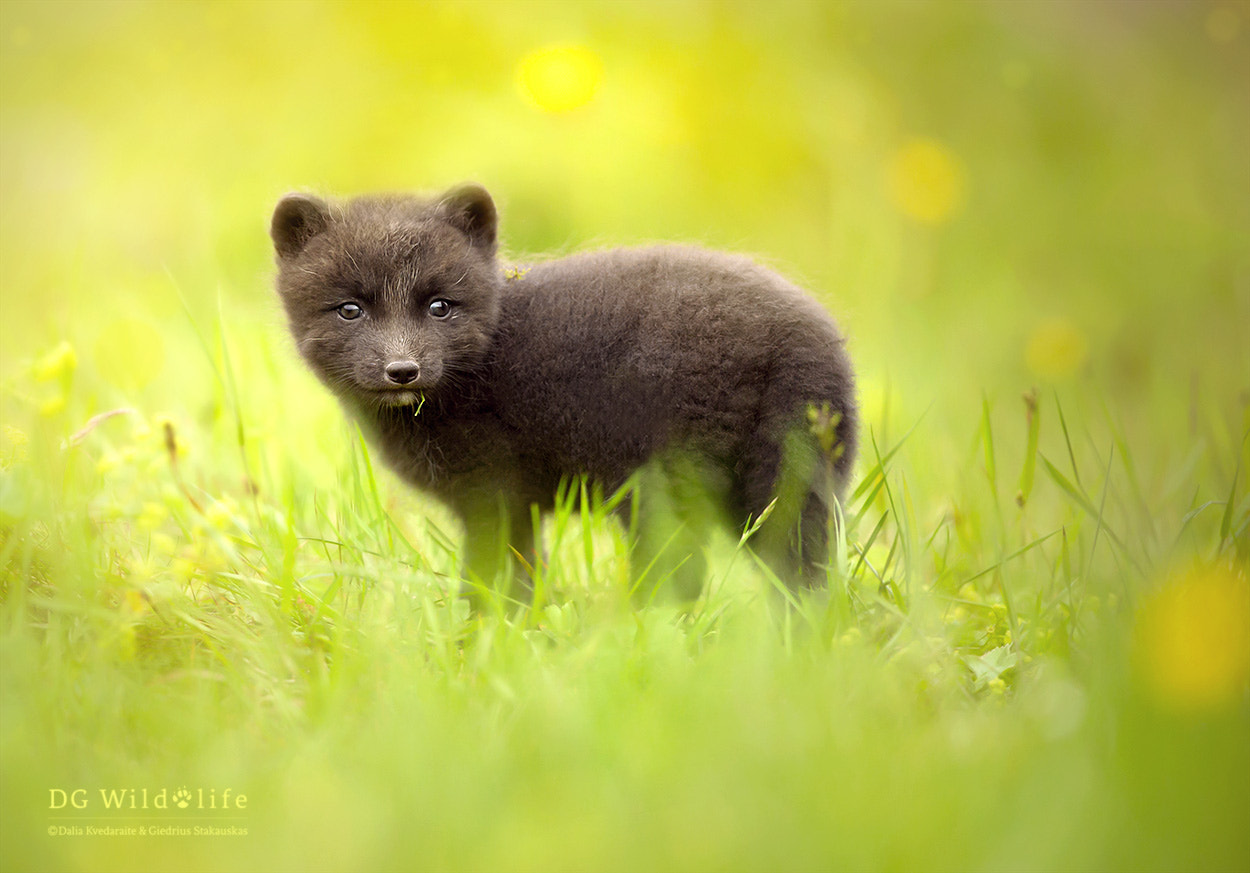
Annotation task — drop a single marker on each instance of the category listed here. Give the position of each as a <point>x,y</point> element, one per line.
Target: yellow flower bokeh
<point>1223,24</point>
<point>1192,640</point>
<point>927,181</point>
<point>1057,349</point>
<point>560,78</point>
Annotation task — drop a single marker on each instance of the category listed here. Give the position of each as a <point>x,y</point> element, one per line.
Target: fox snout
<point>402,372</point>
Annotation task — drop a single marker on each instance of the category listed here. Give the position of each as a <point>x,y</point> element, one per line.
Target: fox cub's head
<point>389,298</point>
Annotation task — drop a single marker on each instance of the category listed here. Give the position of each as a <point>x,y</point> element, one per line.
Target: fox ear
<point>296,220</point>
<point>470,209</point>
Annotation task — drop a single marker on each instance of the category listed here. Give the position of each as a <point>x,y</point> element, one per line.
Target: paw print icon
<point>182,798</point>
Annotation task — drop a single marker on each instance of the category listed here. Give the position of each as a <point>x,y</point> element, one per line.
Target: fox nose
<point>402,372</point>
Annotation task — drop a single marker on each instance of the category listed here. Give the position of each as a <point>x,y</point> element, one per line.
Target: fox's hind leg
<point>786,479</point>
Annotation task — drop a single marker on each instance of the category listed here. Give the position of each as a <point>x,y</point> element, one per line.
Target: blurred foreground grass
<point>1035,648</point>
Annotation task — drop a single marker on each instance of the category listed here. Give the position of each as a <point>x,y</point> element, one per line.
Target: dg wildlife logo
<point>142,799</point>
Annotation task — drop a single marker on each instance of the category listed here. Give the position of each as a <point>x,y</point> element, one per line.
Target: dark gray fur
<point>594,364</point>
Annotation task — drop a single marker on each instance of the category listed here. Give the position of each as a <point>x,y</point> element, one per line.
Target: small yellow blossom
<point>220,515</point>
<point>135,603</point>
<point>152,516</point>
<point>52,406</point>
<point>184,568</point>
<point>141,569</point>
<point>59,363</point>
<point>851,637</point>
<point>163,543</point>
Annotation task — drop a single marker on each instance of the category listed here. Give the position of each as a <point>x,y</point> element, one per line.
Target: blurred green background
<point>989,196</point>
<point>986,194</point>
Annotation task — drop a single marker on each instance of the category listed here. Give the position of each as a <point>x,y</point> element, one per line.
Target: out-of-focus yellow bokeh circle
<point>560,78</point>
<point>1192,640</point>
<point>1056,349</point>
<point>927,181</point>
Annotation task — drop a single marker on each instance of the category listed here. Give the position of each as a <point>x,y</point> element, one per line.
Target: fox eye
<point>350,311</point>
<point>440,308</point>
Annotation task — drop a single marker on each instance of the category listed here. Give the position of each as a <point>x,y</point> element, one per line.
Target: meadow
<point>229,638</point>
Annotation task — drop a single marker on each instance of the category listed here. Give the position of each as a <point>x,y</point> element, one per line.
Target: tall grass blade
<point>1226,522</point>
<point>987,439</point>
<point>1067,441</point>
<point>1094,513</point>
<point>1033,420</point>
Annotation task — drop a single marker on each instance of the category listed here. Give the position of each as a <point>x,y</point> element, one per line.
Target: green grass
<point>967,694</point>
<point>1033,651</point>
